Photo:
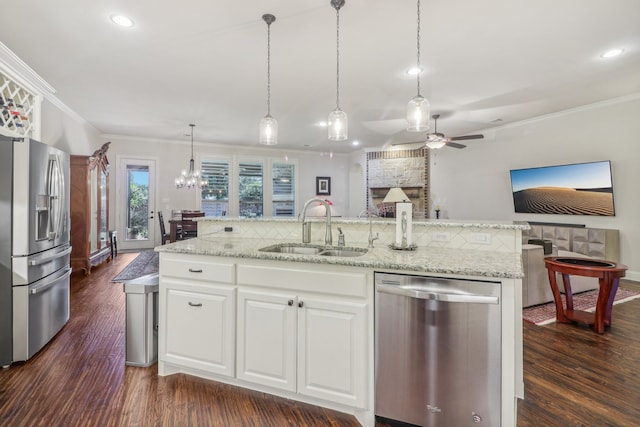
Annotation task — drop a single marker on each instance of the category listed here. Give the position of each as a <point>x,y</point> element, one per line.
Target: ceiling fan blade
<point>466,137</point>
<point>407,143</point>
<point>455,145</point>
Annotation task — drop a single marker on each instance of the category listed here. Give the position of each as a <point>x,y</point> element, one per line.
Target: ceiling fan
<point>438,140</point>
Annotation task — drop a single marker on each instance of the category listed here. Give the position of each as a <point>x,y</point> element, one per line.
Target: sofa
<point>567,241</point>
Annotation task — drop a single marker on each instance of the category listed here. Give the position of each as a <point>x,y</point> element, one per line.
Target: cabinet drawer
<point>325,281</point>
<point>196,267</point>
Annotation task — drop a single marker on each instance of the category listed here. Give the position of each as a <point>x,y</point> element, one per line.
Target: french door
<point>136,220</point>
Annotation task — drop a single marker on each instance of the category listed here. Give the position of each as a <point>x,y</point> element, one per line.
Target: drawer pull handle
<point>300,304</point>
<point>194,304</point>
<point>290,303</point>
<point>193,270</point>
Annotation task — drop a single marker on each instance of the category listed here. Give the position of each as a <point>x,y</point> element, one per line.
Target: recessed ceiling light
<point>612,53</point>
<point>122,20</point>
<point>414,71</point>
<point>321,124</point>
<point>355,143</point>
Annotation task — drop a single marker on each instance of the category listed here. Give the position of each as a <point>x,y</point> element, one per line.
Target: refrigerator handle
<point>56,190</point>
<point>41,287</point>
<point>416,292</point>
<point>44,260</point>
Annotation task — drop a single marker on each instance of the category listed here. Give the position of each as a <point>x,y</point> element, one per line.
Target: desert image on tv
<point>558,200</point>
<point>577,189</point>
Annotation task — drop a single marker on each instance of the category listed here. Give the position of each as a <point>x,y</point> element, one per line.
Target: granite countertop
<point>442,223</point>
<point>428,260</point>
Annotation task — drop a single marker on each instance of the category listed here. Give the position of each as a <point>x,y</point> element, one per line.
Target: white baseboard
<point>633,275</point>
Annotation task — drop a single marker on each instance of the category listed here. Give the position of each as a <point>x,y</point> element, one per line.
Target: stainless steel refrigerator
<point>34,246</point>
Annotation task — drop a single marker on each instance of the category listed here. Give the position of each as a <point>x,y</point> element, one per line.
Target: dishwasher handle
<point>430,294</point>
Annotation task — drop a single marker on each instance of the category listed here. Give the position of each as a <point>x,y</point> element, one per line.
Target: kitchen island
<point>301,326</point>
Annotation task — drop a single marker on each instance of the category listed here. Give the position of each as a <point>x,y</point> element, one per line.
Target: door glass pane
<point>93,229</point>
<point>137,202</point>
<point>103,209</point>
<point>215,198</point>
<point>283,197</point>
<point>250,190</point>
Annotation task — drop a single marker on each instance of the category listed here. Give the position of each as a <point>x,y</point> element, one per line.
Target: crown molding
<point>32,81</point>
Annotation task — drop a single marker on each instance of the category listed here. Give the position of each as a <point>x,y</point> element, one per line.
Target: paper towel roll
<point>403,233</point>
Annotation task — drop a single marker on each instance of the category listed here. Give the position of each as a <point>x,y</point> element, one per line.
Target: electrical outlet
<point>481,238</point>
<point>441,236</point>
<point>230,229</point>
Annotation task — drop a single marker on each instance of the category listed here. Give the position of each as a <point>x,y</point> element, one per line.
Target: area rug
<point>586,301</point>
<point>145,263</point>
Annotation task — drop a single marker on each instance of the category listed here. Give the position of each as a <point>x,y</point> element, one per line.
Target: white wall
<point>67,131</point>
<point>173,156</point>
<point>474,183</point>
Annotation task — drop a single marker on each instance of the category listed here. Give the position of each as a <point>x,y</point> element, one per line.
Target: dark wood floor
<point>573,377</point>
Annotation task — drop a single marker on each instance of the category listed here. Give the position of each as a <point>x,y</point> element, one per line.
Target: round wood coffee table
<point>608,274</point>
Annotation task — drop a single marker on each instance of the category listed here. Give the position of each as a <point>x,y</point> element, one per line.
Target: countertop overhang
<point>465,262</point>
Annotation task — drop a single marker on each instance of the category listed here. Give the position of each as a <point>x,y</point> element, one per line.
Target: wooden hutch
<point>90,210</point>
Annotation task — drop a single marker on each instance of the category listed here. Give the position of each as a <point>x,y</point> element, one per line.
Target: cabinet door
<point>200,329</point>
<point>332,350</point>
<point>266,349</point>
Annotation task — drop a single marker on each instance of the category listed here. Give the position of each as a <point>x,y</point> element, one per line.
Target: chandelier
<point>418,107</point>
<point>191,179</point>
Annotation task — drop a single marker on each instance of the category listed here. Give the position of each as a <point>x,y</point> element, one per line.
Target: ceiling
<point>486,63</point>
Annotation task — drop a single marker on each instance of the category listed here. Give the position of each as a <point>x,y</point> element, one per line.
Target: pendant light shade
<point>418,109</point>
<point>268,125</point>
<point>268,130</point>
<point>338,124</point>
<point>418,114</point>
<point>191,179</point>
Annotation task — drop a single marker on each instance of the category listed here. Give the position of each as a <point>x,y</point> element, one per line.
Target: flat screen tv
<point>575,189</point>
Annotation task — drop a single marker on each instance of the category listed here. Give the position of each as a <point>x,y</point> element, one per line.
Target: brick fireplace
<point>407,169</point>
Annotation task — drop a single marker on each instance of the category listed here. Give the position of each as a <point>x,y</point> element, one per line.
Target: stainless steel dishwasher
<point>437,351</point>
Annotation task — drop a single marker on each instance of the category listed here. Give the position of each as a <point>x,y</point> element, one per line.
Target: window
<point>283,198</point>
<point>137,202</point>
<point>215,198</point>
<point>250,189</point>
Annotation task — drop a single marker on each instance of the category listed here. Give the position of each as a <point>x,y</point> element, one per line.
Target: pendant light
<point>191,179</point>
<point>418,107</point>
<point>337,123</point>
<point>268,125</point>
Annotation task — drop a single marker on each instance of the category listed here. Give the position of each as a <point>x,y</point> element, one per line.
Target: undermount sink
<point>343,252</point>
<point>306,249</point>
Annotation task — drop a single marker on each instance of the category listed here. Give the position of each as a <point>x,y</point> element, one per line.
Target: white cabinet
<point>267,339</point>
<point>197,315</point>
<point>314,344</point>
<point>332,352</point>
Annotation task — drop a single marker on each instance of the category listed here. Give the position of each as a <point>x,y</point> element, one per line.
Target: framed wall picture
<point>323,186</point>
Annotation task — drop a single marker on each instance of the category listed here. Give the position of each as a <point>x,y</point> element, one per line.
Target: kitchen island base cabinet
<point>303,344</point>
<point>197,303</point>
<point>300,333</point>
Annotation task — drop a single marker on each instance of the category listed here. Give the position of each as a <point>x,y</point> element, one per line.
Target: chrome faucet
<point>371,237</point>
<point>306,226</point>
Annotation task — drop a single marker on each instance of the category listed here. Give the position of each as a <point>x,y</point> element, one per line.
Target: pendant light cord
<point>269,69</point>
<point>337,58</point>
<point>192,126</point>
<point>418,50</point>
